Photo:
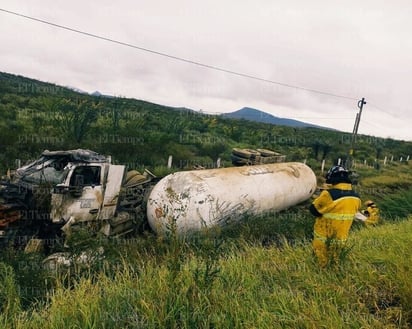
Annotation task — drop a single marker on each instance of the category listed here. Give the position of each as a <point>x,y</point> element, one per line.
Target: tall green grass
<point>398,206</point>
<point>233,285</point>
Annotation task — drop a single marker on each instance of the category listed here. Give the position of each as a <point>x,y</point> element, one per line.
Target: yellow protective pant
<point>328,252</point>
<point>330,236</point>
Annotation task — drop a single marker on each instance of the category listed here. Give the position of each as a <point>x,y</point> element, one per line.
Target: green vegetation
<point>225,283</point>
<point>259,273</point>
<point>38,116</point>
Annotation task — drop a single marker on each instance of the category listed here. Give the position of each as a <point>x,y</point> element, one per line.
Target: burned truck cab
<point>57,190</point>
<point>80,195</point>
<point>89,193</point>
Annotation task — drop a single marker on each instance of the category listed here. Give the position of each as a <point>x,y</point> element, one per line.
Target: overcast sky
<point>347,48</point>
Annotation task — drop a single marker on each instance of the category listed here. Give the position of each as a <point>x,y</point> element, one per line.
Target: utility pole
<point>354,133</point>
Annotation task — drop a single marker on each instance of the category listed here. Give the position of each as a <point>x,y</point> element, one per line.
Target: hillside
<point>255,115</point>
<point>37,115</point>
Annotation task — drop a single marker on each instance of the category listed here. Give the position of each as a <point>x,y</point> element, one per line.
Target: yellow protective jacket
<point>335,209</point>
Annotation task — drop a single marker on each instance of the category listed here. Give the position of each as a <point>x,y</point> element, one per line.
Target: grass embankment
<point>222,284</point>
<point>390,188</point>
<point>387,180</point>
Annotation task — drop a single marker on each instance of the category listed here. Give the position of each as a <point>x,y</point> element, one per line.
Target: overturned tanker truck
<point>65,190</point>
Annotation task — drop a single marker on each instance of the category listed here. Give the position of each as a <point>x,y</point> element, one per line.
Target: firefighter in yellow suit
<point>334,209</point>
<point>371,213</point>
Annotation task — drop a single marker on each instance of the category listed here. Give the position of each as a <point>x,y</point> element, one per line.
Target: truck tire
<point>238,161</point>
<point>131,174</point>
<point>266,153</point>
<point>242,153</point>
<point>254,153</point>
<point>135,180</point>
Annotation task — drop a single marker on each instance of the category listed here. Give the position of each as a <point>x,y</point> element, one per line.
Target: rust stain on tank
<point>291,171</point>
<point>159,212</point>
<point>295,172</point>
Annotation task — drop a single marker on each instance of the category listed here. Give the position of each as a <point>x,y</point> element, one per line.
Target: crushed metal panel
<point>81,208</point>
<point>112,190</point>
<point>68,204</point>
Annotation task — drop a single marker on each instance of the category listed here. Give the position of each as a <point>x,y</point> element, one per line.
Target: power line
<point>177,58</point>
<point>382,110</point>
<point>371,124</point>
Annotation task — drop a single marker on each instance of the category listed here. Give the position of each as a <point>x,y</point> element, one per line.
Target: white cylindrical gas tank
<point>188,201</point>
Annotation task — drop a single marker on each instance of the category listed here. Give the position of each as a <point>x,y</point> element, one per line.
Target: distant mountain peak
<point>251,114</point>
<point>96,93</point>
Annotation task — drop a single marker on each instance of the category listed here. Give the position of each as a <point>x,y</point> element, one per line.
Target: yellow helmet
<point>369,203</point>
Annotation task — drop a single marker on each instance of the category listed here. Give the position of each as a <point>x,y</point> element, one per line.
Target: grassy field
<point>237,285</point>
<point>260,274</point>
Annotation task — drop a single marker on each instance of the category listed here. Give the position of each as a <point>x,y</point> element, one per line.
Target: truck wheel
<point>241,153</point>
<point>254,153</point>
<point>266,153</point>
<point>130,174</point>
<point>238,161</point>
<point>135,180</point>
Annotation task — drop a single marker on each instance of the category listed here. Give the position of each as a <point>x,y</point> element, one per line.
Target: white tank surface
<point>189,201</point>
